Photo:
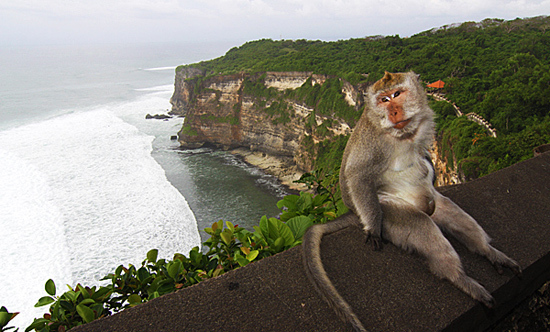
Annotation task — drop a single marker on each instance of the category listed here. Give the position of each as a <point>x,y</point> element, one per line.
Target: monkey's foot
<point>475,290</point>
<point>511,264</point>
<point>500,261</point>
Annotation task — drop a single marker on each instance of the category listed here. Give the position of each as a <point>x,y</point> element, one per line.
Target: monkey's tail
<point>317,274</point>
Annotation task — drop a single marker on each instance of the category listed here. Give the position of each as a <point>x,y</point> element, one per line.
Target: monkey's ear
<point>387,79</point>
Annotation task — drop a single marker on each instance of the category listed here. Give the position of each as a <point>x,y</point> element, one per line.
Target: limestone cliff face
<point>186,78</point>
<point>252,111</point>
<point>445,174</point>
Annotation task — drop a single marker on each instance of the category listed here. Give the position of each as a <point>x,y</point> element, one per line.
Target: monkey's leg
<point>413,230</point>
<point>451,218</point>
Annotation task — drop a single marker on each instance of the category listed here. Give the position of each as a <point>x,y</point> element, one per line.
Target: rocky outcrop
<point>257,112</point>
<point>186,78</point>
<point>158,116</point>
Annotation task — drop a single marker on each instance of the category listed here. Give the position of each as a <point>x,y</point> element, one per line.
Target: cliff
<point>269,113</point>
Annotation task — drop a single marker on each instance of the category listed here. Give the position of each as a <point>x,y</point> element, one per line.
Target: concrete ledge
<point>389,290</point>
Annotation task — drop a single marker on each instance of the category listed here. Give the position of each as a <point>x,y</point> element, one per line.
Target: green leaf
<point>71,295</point>
<point>320,199</point>
<point>66,305</point>
<point>154,295</point>
<point>86,302</point>
<point>142,274</point>
<point>55,311</point>
<point>305,201</point>
<point>118,270</point>
<point>98,309</point>
<point>289,201</point>
<point>278,244</point>
<point>174,269</point>
<point>45,300</point>
<point>196,257</point>
<point>5,317</point>
<point>38,324</point>
<point>252,255</point>
<point>227,236</point>
<point>287,215</point>
<point>330,215</point>
<point>218,271</point>
<point>278,229</point>
<point>241,260</point>
<point>152,255</point>
<point>264,227</point>
<point>181,257</point>
<point>50,287</point>
<point>86,313</point>
<point>230,226</point>
<point>85,292</point>
<point>298,225</point>
<point>102,293</point>
<point>134,299</point>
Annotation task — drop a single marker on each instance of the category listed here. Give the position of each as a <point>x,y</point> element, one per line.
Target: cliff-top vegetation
<point>495,68</point>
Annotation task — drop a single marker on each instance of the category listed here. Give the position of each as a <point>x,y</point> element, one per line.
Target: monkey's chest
<point>408,181</point>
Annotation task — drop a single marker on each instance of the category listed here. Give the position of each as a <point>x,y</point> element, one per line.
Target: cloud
<point>243,20</point>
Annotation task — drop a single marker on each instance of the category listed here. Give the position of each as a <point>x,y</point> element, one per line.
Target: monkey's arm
<point>362,198</point>
<point>311,255</point>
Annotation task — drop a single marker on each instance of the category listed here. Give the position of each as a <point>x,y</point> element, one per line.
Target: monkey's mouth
<point>402,124</point>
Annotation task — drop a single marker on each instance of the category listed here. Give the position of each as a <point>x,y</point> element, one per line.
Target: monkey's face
<point>392,102</point>
<point>398,104</point>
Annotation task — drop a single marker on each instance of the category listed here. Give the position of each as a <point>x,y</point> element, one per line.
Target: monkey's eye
<point>396,93</point>
<point>385,99</point>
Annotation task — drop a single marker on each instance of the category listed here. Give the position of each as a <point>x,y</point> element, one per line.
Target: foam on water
<point>161,88</point>
<point>80,194</point>
<point>160,68</point>
<point>33,243</point>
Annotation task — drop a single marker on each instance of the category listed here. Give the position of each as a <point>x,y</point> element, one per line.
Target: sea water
<point>87,183</point>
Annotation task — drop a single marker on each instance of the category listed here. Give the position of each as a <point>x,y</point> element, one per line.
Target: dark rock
<point>158,116</point>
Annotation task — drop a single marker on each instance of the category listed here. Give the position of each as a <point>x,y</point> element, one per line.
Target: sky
<point>116,21</point>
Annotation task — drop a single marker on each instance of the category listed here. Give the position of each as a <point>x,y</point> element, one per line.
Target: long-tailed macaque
<point>386,180</point>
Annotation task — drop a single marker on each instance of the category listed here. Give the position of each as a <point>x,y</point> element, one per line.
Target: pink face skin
<point>393,101</point>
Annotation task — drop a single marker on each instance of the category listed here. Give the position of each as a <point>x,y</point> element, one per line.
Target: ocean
<point>87,183</point>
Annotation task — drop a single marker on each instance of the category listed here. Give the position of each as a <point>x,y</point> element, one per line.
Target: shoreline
<point>273,165</point>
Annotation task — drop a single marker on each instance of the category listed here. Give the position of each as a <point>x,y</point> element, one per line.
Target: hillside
<point>497,69</point>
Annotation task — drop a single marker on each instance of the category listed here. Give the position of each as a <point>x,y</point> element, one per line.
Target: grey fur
<point>387,181</point>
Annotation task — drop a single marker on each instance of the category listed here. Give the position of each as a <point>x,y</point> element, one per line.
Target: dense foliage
<point>498,69</point>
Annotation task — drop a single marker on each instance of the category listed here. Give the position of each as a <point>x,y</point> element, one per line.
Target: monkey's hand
<point>376,239</point>
<point>374,231</point>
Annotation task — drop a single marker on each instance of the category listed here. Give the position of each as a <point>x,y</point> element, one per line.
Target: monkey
<point>387,182</point>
